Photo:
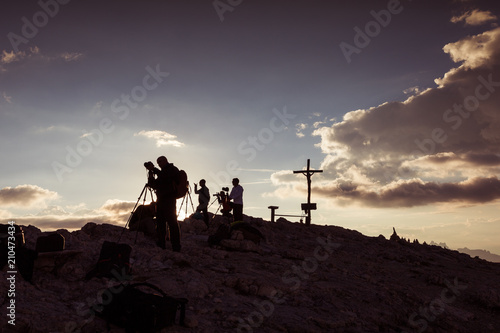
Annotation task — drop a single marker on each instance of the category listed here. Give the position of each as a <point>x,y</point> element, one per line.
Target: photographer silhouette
<point>162,181</point>
<point>237,196</point>
<point>203,200</point>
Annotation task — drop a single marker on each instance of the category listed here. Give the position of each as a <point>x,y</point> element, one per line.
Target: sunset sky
<point>398,102</point>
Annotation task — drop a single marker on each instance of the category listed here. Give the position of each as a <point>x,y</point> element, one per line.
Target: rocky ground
<point>300,279</point>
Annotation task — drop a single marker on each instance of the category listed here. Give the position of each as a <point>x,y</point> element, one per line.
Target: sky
<point>396,101</point>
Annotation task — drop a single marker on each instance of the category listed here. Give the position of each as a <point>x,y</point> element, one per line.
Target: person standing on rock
<point>203,199</point>
<point>237,196</point>
<point>166,210</point>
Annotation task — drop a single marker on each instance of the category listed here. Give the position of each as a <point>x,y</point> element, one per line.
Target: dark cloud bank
<point>440,145</point>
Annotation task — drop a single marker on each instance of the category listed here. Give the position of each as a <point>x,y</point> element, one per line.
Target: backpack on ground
<point>135,310</point>
<point>249,232</point>
<point>114,260</point>
<point>50,243</point>
<point>222,232</point>
<point>181,185</point>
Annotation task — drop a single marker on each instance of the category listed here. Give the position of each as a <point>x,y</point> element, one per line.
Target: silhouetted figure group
<point>164,180</point>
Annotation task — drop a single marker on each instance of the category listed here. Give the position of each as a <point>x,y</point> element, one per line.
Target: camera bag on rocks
<point>50,243</point>
<point>222,232</point>
<point>114,261</point>
<point>137,309</point>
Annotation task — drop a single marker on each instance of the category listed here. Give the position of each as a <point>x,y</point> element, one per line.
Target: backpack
<point>114,260</point>
<point>223,232</point>
<point>181,185</point>
<point>249,232</point>
<point>50,243</point>
<point>135,310</point>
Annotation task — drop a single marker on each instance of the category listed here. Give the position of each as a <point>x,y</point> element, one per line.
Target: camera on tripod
<point>223,195</point>
<point>224,202</point>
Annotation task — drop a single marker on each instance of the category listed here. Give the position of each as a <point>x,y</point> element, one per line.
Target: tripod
<point>188,196</point>
<point>143,195</point>
<point>220,197</point>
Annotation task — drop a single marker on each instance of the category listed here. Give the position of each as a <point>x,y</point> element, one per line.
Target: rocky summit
<point>297,279</point>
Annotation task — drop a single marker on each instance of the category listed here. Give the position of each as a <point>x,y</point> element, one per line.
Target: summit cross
<point>307,207</point>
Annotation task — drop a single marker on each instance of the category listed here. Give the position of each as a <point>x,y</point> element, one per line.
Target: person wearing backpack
<point>164,183</point>
<point>203,199</point>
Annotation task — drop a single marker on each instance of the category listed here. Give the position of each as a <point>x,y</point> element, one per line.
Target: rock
<point>191,322</point>
<point>394,236</point>
<point>301,279</point>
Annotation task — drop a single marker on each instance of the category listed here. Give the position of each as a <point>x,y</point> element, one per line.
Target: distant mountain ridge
<point>483,254</point>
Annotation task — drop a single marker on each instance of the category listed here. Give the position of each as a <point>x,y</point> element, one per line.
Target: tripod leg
<point>180,208</point>
<point>133,210</point>
<point>212,203</point>
<point>140,216</point>
<point>215,213</point>
<point>192,206</point>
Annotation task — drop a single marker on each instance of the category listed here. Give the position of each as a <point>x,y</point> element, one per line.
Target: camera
<point>222,196</point>
<point>149,165</point>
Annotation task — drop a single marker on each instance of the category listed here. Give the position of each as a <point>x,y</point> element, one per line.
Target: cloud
<point>299,130</point>
<point>162,138</point>
<point>53,211</point>
<point>74,217</point>
<point>26,196</point>
<point>474,18</point>
<point>114,206</point>
<point>473,51</point>
<point>49,222</point>
<point>440,145</point>
<point>34,53</point>
<point>67,56</point>
<point>10,57</point>
<point>7,98</point>
<point>415,192</point>
<point>4,215</point>
<point>412,91</point>
<point>50,129</point>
